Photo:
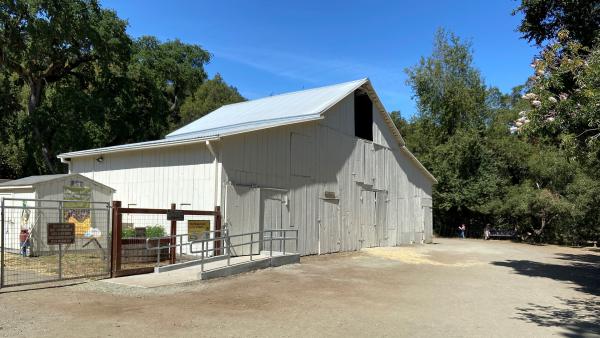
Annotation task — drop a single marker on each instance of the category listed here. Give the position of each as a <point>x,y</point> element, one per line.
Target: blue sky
<point>271,47</point>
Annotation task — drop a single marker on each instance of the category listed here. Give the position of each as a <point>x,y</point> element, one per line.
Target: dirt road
<point>450,289</point>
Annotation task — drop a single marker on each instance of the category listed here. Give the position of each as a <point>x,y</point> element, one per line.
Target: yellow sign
<point>198,227</point>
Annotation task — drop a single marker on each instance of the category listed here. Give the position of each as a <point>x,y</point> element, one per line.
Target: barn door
<point>274,215</point>
<point>330,231</point>
<point>381,218</point>
<point>241,216</point>
<point>367,217</point>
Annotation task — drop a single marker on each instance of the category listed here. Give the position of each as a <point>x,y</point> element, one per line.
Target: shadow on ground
<point>578,317</point>
<point>581,270</point>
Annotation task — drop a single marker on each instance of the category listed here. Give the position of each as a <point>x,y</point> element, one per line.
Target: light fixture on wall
<point>100,159</point>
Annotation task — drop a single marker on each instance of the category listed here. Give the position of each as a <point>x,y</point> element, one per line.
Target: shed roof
<point>32,181</point>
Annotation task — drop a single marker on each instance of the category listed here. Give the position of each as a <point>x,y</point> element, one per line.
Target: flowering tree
<point>565,96</point>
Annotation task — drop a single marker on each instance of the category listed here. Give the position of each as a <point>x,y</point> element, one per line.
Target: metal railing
<point>279,236</point>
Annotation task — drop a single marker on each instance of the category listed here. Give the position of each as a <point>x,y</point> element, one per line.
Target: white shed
<point>32,202</point>
<point>326,161</point>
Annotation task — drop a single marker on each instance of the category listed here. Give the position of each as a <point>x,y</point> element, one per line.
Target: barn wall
<point>155,178</point>
<point>378,191</point>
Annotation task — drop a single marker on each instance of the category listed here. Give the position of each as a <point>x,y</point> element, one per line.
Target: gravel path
<point>454,288</point>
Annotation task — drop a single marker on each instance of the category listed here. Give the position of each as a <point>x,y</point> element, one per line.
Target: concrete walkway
<point>213,269</point>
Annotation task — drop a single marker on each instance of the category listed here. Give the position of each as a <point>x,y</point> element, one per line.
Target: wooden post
<point>115,262</point>
<point>218,230</point>
<point>173,251</point>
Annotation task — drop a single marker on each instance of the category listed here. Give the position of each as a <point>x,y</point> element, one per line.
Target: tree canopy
<point>71,78</point>
<point>524,160</point>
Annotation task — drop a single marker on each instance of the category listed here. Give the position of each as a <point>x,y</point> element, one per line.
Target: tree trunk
<point>37,88</point>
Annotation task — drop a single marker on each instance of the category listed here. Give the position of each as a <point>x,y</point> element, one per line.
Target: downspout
<point>216,174</point>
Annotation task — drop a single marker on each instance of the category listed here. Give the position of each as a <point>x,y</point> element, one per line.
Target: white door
<point>368,219</point>
<point>381,218</point>
<point>275,215</point>
<point>241,216</point>
<point>330,232</point>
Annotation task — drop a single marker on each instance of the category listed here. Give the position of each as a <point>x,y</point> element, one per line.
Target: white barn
<point>326,161</point>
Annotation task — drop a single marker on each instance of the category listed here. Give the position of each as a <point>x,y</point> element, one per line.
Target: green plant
<point>127,233</point>
<point>155,231</point>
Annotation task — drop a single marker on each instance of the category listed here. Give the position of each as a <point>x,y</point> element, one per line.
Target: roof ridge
<point>296,91</point>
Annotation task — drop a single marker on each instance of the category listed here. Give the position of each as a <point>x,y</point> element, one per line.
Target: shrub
<point>155,231</point>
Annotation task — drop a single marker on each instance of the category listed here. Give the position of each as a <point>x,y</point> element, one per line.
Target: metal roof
<point>31,181</point>
<point>295,107</point>
<point>300,106</point>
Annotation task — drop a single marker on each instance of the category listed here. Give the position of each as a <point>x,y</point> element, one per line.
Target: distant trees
<point>209,96</point>
<point>541,179</point>
<point>71,78</point>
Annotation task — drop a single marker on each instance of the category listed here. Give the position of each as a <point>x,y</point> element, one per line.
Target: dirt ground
<point>452,288</point>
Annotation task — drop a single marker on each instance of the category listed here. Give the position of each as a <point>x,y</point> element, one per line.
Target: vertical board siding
<point>379,192</point>
<point>155,178</point>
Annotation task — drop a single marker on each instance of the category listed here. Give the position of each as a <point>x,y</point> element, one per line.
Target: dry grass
<point>73,264</point>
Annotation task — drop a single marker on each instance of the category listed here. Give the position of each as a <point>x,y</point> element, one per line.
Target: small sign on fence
<point>61,233</point>
<point>175,215</point>
<point>197,228</point>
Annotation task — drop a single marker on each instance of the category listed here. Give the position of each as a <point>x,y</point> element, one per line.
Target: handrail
<point>226,238</point>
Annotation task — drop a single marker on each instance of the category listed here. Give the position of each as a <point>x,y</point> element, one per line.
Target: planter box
<point>133,250</point>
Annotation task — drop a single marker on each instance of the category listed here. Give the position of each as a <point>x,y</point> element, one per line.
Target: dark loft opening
<point>363,115</point>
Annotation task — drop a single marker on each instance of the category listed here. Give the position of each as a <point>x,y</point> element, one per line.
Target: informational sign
<point>77,208</point>
<point>196,228</point>
<point>175,215</point>
<point>61,233</point>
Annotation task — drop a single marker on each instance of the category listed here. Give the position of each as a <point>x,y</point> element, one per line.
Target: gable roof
<point>300,106</point>
<point>278,110</point>
<point>31,181</point>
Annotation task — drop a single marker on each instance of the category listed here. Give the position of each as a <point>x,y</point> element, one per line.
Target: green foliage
<point>209,96</point>
<point>153,231</point>
<point>128,233</point>
<point>486,174</point>
<point>72,79</point>
<point>543,19</point>
<point>449,90</point>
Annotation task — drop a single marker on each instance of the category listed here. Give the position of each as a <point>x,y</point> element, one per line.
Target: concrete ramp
<point>215,268</point>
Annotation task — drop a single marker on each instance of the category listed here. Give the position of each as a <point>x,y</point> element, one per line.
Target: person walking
<point>487,231</point>
<point>461,231</point>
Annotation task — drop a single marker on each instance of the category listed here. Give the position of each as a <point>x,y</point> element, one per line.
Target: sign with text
<point>61,233</point>
<point>175,215</point>
<point>196,228</point>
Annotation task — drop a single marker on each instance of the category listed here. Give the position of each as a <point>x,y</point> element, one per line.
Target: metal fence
<point>51,240</point>
<point>274,242</point>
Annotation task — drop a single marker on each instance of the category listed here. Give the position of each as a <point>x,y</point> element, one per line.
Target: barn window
<point>363,115</point>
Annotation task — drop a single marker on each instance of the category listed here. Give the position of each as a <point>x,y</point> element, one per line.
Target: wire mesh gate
<point>51,240</point>
<point>137,230</point>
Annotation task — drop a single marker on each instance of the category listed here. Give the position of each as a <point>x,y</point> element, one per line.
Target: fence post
<point>251,244</point>
<point>218,230</point>
<point>284,240</point>
<point>116,239</point>
<point>2,245</point>
<point>173,249</point>
<point>60,253</point>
